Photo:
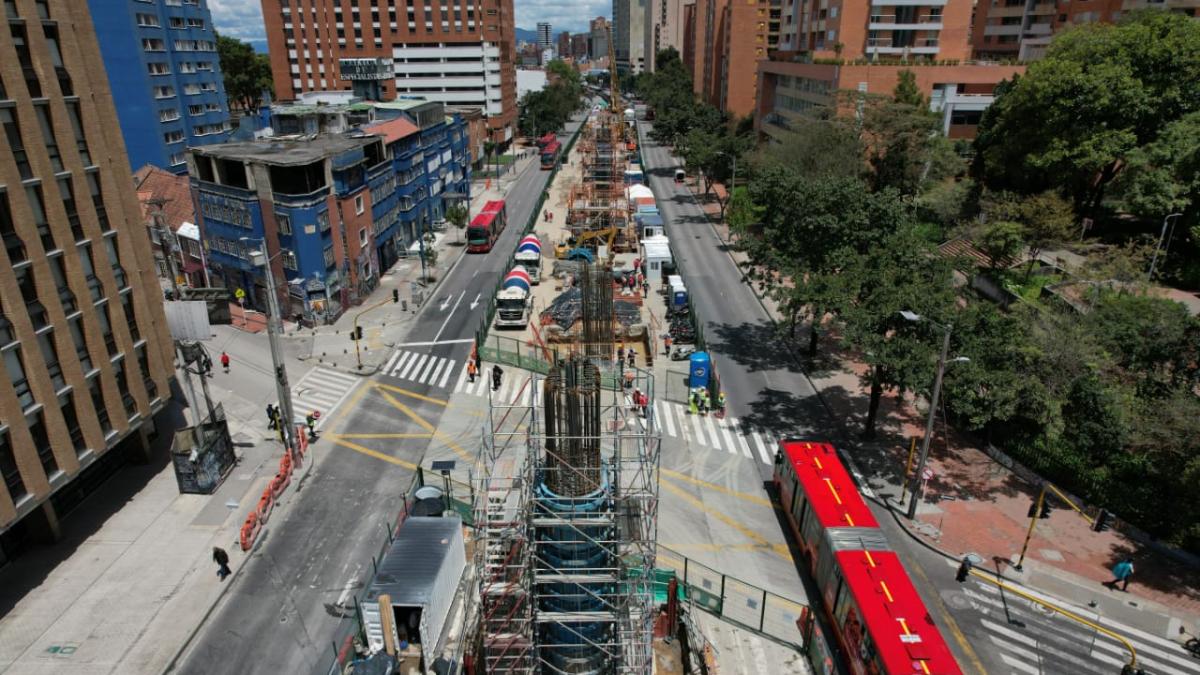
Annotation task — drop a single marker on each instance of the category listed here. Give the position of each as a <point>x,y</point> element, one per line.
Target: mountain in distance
<point>526,35</point>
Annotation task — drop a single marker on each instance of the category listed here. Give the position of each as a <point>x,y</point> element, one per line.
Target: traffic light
<point>358,332</point>
<point>1033,509</point>
<point>1100,524</point>
<point>1130,670</point>
<point>395,295</point>
<point>964,570</point>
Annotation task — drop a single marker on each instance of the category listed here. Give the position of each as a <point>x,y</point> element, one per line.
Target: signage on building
<point>366,69</point>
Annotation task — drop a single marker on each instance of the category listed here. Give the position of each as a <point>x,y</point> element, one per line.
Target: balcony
<point>890,22</point>
<point>993,29</point>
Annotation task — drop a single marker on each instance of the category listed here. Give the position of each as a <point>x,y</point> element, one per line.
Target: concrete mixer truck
<point>513,301</point>
<point>529,256</point>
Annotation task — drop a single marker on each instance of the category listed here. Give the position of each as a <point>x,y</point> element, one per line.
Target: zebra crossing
<point>672,419</point>
<point>1031,641</point>
<point>321,389</point>
<point>420,367</point>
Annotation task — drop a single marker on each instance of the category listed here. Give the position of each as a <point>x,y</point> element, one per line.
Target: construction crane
<point>614,82</point>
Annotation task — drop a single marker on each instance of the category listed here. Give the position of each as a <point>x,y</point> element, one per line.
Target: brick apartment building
<point>1021,29</point>
<point>853,45</point>
<point>729,38</point>
<point>83,334</point>
<point>457,52</point>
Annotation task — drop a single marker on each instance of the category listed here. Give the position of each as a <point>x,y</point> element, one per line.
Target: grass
<point>1028,288</point>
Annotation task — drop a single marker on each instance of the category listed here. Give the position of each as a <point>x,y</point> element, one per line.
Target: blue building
<point>165,77</point>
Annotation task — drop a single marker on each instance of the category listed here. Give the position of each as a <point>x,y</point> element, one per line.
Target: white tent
<point>637,192</point>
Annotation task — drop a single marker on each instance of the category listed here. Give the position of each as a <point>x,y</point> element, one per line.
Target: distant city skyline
<point>243,20</point>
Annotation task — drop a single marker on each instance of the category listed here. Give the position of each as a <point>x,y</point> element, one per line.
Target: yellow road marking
<point>372,453</point>
<point>410,394</point>
<point>779,549</point>
<point>458,449</point>
<point>421,422</point>
<point>719,488</point>
<point>712,547</point>
<point>341,411</point>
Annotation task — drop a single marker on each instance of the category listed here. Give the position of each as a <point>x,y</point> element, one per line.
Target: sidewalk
<point>133,574</point>
<point>974,504</point>
<point>330,346</point>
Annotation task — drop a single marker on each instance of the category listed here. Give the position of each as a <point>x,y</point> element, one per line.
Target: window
<point>66,297</point>
<point>123,387</point>
<point>168,115</point>
<point>16,374</point>
<point>130,316</point>
<point>362,236</point>
<point>114,261</point>
<point>187,67</point>
<point>195,110</point>
<point>144,366</point>
<point>284,222</point>
<point>12,242</point>
<point>204,66</point>
<point>148,20</point>
<point>66,192</point>
<point>164,92</point>
<point>81,349</point>
<point>329,257</point>
<point>12,131</point>
<point>157,68</point>
<point>178,158</point>
<point>95,286</point>
<point>153,45</point>
<point>66,405</point>
<point>358,205</point>
<point>173,137</point>
<point>8,468</point>
<point>289,260</point>
<point>105,319</point>
<point>50,354</point>
<point>94,187</point>
<point>98,403</point>
<point>37,204</point>
<point>323,221</point>
<point>177,22</point>
<point>23,56</point>
<point>60,70</point>
<point>47,125</point>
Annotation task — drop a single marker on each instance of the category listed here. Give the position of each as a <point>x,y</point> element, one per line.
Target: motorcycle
<point>682,353</point>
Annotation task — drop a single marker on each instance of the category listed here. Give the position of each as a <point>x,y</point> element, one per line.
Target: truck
<point>513,301</point>
<point>529,256</point>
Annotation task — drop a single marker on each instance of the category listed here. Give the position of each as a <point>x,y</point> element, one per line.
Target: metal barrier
<point>736,601</point>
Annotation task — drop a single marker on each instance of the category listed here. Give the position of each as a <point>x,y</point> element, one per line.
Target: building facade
<point>564,45</point>
<point>664,28</point>
<point>166,197</point>
<point>84,337</point>
<point>161,60</point>
<point>459,53</point>
<point>335,210</point>
<point>600,30</point>
<point>1021,29</point>
<point>579,46</point>
<point>545,33</point>
<point>629,35</point>
<point>728,41</point>
<point>929,30</point>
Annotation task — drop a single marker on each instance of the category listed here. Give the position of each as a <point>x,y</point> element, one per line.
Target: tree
<point>1152,340</point>
<point>902,273</point>
<point>906,90</point>
<point>1001,239</point>
<point>815,148</point>
<point>1048,221</point>
<point>903,145</point>
<point>743,212</point>
<point>430,254</point>
<point>246,74</point>
<point>1101,91</point>
<point>458,214</point>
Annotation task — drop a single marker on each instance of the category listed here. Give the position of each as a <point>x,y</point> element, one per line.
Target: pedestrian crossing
<point>322,389</point>
<point>1029,640</point>
<point>421,368</point>
<point>727,435</point>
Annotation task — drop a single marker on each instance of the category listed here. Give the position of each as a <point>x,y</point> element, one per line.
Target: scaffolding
<point>569,516</point>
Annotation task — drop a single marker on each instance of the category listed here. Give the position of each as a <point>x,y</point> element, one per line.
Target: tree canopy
<point>549,108</point>
<point>246,74</point>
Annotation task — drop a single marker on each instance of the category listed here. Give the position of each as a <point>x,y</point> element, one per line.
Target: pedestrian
<point>222,559</point>
<point>621,353</point>
<point>471,370</point>
<point>667,344</point>
<point>272,417</point>
<point>628,379</point>
<point>693,402</point>
<point>497,375</point>
<point>1122,571</point>
<point>632,357</point>
<point>311,420</point>
<point>645,288</point>
<point>636,399</point>
<point>225,361</point>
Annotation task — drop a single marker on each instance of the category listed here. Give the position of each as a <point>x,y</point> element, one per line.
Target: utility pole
<point>166,239</point>
<point>287,416</point>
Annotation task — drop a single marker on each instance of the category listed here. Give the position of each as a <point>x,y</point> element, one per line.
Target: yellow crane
<point>614,82</point>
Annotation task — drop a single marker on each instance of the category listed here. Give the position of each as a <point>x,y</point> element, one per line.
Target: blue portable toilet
<point>699,367</point>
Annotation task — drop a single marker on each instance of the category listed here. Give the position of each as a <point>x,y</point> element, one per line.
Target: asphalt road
<point>292,599</point>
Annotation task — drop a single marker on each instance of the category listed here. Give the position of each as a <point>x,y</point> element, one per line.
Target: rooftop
<point>151,183</point>
<point>286,150</point>
<point>402,104</point>
<point>325,109</point>
<point>393,130</point>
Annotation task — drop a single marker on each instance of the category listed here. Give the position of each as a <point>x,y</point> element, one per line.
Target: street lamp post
<point>1162,237</point>
<point>933,404</point>
<point>259,258</point>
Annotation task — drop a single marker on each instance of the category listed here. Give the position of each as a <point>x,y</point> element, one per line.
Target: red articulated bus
<point>486,227</point>
<point>550,155</point>
<point>880,621</point>
<point>546,140</point>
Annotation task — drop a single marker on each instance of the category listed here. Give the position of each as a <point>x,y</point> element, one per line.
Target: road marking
<point>418,361</point>
<point>392,360</point>
<point>446,377</point>
<point>404,358</point>
<point>950,622</point>
<point>730,445</point>
<point>371,453</point>
<point>741,436</point>
<point>410,394</point>
<point>425,373</point>
<point>321,389</point>
<point>667,421</point>
<point>755,499</point>
<point>341,601</point>
<point>475,302</point>
<point>698,429</point>
<point>1018,664</point>
<point>434,343</point>
<point>778,549</point>
<point>439,333</point>
<point>758,443</point>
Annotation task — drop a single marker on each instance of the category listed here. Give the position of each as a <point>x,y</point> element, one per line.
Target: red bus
<point>880,621</point>
<point>546,140</point>
<point>486,227</point>
<point>550,155</point>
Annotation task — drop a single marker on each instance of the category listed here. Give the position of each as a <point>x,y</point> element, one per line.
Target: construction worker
<point>721,402</point>
<point>311,420</point>
<point>667,344</point>
<point>703,396</point>
<point>621,352</point>
<point>632,357</point>
<point>636,399</point>
<point>472,370</point>
<point>497,376</point>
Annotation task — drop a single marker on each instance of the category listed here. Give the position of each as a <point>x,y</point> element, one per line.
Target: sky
<point>242,19</point>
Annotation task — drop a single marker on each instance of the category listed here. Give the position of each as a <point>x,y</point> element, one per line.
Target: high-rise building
<point>564,44</point>
<point>730,38</point>
<point>598,38</point>
<point>629,34</point>
<point>822,48</point>
<point>664,24</point>
<point>460,54</point>
<point>83,333</point>
<point>1021,29</point>
<point>579,45</point>
<point>545,37</point>
<point>165,77</point>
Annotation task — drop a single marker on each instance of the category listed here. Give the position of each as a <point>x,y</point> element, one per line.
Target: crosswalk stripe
<point>740,435</point>
<point>1122,657</point>
<point>698,430</point>
<point>395,355</point>
<point>730,445</point>
<point>425,372</point>
<point>1019,664</point>
<point>446,376</point>
<point>1044,642</point>
<point>759,444</point>
<point>666,418</point>
<point>404,358</point>
<point>442,363</point>
<point>462,379</point>
<point>711,427</point>
<point>414,366</point>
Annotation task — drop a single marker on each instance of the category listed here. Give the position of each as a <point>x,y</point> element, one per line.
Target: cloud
<point>572,15</point>
<point>241,19</point>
